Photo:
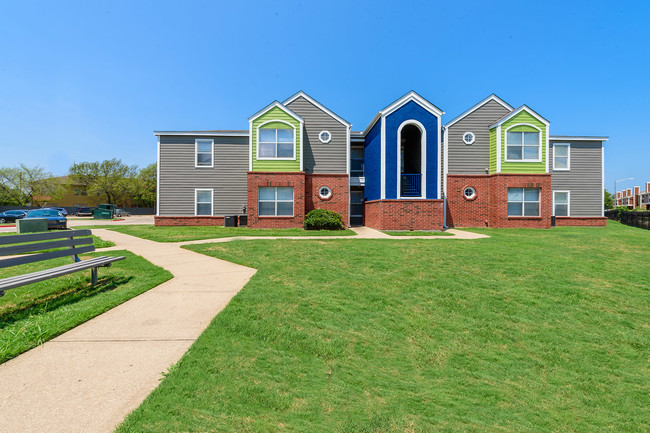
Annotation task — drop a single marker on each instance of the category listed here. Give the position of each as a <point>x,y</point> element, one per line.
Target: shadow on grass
<point>57,300</point>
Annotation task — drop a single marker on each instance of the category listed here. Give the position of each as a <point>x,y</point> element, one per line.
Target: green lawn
<point>416,233</point>
<point>527,331</point>
<point>179,234</point>
<point>33,314</point>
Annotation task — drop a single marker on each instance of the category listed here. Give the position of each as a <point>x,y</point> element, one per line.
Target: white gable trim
<point>519,110</point>
<point>319,105</point>
<point>410,96</point>
<point>492,97</point>
<point>273,105</point>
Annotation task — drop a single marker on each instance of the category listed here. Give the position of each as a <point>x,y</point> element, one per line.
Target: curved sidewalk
<point>91,377</point>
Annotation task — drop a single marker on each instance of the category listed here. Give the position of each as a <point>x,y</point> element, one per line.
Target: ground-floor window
<point>275,201</point>
<point>203,202</point>
<point>523,201</point>
<point>561,203</point>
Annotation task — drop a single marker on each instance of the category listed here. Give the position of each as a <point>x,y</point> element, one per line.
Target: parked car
<point>55,219</point>
<point>63,211</point>
<point>121,213</point>
<point>84,211</point>
<point>11,216</point>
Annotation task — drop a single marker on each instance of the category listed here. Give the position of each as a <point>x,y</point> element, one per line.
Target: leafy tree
<point>144,186</point>
<point>110,178</point>
<point>609,200</point>
<point>24,185</point>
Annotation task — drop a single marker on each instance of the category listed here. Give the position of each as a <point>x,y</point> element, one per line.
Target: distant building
<point>633,198</point>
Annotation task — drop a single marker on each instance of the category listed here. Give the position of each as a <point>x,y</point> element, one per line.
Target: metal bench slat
<point>43,256</point>
<point>29,248</point>
<point>57,272</point>
<point>15,239</point>
<point>93,261</point>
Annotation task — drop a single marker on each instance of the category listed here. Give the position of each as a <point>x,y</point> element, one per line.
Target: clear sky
<point>91,80</point>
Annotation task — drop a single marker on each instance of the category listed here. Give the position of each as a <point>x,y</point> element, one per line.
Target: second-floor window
<point>561,154</point>
<point>523,146</point>
<point>203,149</point>
<point>276,143</point>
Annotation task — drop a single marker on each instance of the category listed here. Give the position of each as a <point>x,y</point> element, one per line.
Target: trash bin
<point>243,220</point>
<point>553,221</point>
<point>230,221</point>
<point>104,212</point>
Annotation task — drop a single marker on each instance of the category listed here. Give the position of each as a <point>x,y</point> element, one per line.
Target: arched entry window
<point>412,147</point>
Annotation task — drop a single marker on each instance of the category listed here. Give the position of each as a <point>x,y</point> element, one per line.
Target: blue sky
<point>84,81</point>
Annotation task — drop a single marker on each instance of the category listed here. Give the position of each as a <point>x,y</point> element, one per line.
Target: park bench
<point>62,244</point>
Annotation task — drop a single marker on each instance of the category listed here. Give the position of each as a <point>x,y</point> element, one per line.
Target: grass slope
<point>528,331</point>
<point>32,314</point>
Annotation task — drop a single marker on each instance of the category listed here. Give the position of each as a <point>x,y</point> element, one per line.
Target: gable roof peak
<point>518,110</point>
<point>301,93</point>
<point>492,97</point>
<point>277,104</point>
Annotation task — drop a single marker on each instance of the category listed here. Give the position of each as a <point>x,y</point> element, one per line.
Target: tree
<point>23,186</point>
<point>145,186</point>
<point>110,178</point>
<point>609,200</point>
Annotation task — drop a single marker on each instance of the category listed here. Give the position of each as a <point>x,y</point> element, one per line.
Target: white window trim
<point>257,139</point>
<point>196,153</point>
<point>568,161</point>
<point>473,138</point>
<point>321,139</point>
<point>196,204</point>
<point>568,202</point>
<point>325,197</point>
<point>523,202</point>
<point>423,160</point>
<point>539,144</point>
<point>275,201</point>
<point>472,196</point>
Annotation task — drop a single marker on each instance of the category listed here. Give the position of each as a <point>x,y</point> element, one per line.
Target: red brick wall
<point>490,207</point>
<point>339,201</point>
<point>581,221</point>
<point>160,221</point>
<point>258,179</point>
<point>403,214</point>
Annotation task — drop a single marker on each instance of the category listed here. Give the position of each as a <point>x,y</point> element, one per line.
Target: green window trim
<point>523,130</point>
<point>276,118</point>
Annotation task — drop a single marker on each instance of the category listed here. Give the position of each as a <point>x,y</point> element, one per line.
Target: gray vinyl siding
<point>584,179</point>
<point>474,158</point>
<point>179,178</point>
<point>321,157</point>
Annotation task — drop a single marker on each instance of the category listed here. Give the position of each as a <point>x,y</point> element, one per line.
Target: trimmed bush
<point>322,219</point>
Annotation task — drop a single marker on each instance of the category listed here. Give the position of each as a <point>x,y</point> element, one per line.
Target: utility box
<point>230,221</point>
<point>104,212</point>
<point>31,225</point>
<point>243,220</point>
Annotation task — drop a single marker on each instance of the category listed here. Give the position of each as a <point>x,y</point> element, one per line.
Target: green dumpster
<point>104,212</point>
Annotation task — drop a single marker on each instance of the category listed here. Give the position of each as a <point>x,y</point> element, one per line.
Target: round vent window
<point>469,192</point>
<point>324,192</point>
<point>469,138</point>
<point>325,136</point>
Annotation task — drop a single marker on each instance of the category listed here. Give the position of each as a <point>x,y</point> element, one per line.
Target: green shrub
<point>621,209</point>
<point>322,219</point>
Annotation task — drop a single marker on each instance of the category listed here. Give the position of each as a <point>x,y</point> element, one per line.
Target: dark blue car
<point>55,220</point>
<point>11,216</point>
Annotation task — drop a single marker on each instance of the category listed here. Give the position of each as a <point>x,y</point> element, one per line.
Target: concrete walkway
<point>91,377</point>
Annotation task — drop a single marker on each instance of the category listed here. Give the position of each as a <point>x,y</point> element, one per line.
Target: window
<point>324,192</point>
<point>561,156</point>
<point>203,149</point>
<point>203,200</point>
<point>469,192</point>
<point>356,161</point>
<point>469,138</point>
<point>276,143</point>
<point>275,201</point>
<point>523,146</point>
<point>324,136</point>
<point>523,202</point>
<point>561,203</point>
